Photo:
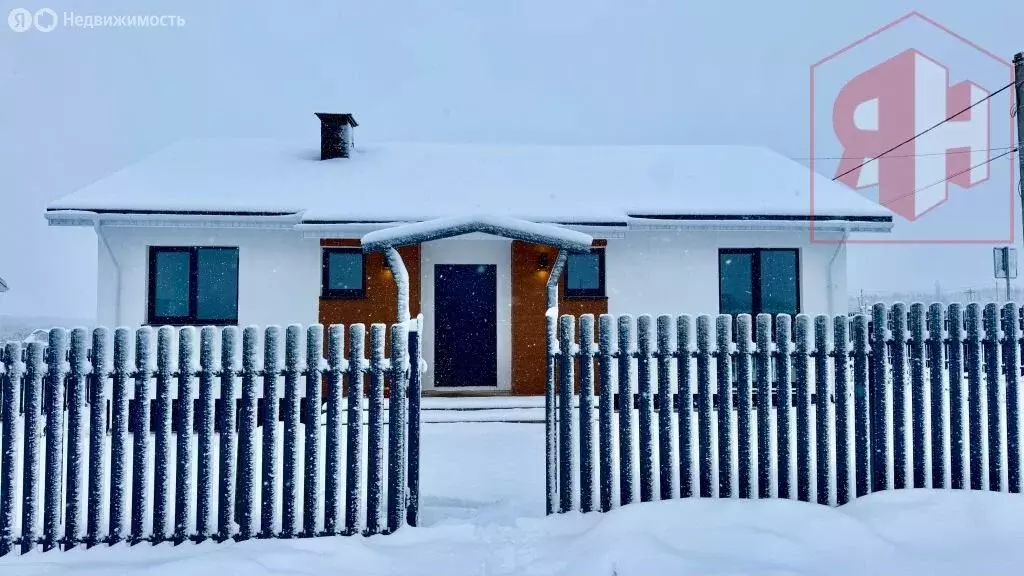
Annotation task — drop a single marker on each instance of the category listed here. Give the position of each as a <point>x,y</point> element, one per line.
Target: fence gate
<point>822,409</point>
<point>202,440</point>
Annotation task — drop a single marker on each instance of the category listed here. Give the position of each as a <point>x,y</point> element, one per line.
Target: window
<point>756,281</point>
<point>343,273</point>
<point>584,275</point>
<point>193,285</point>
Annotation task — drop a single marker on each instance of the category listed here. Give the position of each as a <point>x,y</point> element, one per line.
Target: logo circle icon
<point>45,19</point>
<point>20,19</point>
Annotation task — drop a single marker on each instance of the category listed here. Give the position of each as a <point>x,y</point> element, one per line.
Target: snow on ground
<point>483,505</point>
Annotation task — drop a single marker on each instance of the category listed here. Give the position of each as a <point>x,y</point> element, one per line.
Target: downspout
<point>828,271</point>
<point>401,274</point>
<point>117,271</point>
<point>551,347</point>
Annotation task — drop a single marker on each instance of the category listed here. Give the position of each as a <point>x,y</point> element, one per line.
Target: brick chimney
<point>335,135</point>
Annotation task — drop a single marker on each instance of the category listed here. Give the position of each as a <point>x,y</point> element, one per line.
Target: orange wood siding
<point>529,301</point>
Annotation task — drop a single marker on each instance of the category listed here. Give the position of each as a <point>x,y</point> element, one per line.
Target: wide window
<point>584,275</point>
<point>343,273</point>
<point>756,281</point>
<point>190,285</point>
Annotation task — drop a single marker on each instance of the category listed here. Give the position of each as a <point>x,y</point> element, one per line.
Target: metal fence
<point>822,409</point>
<point>262,470</point>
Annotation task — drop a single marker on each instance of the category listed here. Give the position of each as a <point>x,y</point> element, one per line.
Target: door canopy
<point>513,228</point>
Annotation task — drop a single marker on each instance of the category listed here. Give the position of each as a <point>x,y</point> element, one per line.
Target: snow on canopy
<point>504,226</point>
<point>414,182</point>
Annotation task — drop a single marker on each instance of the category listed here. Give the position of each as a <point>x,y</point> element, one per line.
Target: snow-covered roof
<point>414,182</point>
<point>514,228</point>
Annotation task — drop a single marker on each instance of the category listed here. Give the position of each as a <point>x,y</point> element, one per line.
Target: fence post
<point>97,453</point>
<point>397,428</point>
<point>10,380</point>
<point>861,407</point>
<point>354,454</point>
<point>162,415</point>
<point>183,516</point>
<point>332,451</point>
<point>844,428</point>
<point>919,398</point>
<point>994,403</point>
<point>937,407</point>
<point>645,398</point>
<point>723,354</point>
<point>784,413</point>
<point>415,392</point>
<point>684,403</point>
<point>566,380</point>
<point>976,399</point>
<point>881,403</point>
<point>665,404</point>
<point>226,519</point>
<point>271,414</point>
<point>900,389</point>
<point>204,472</point>
<point>744,405</point>
<point>605,331</point>
<point>823,412</point>
<point>959,462</point>
<point>119,435</point>
<point>587,413</point>
<point>801,372</point>
<point>704,405</point>
<point>246,488</point>
<point>765,446</point>
<point>140,435</point>
<point>56,353</point>
<point>35,371</point>
<point>314,393</point>
<point>375,443</point>
<point>627,488</point>
<point>290,467</point>
<point>79,369</point>
<point>1011,355</point>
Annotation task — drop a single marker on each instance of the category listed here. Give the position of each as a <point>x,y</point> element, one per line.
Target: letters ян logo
<point>888,105</point>
<point>21,20</point>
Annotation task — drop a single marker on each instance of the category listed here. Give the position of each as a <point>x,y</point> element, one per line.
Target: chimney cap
<point>331,118</point>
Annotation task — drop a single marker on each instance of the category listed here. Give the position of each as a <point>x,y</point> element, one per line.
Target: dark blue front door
<point>465,326</point>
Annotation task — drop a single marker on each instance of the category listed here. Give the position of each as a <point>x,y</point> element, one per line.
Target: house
<point>259,232</point>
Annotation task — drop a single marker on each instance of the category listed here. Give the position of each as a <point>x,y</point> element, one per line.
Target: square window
<point>759,281</point>
<point>584,275</point>
<point>192,285</point>
<point>343,273</point>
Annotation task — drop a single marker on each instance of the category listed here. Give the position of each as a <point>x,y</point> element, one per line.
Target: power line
<point>927,130</point>
<point>955,151</point>
<point>951,176</point>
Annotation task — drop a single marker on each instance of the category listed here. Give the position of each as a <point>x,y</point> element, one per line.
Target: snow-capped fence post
<point>645,399</point>
<point>665,404</point>
<point>162,416</point>
<point>783,412</point>
<point>1011,360</point>
<point>78,361</point>
<point>354,434</point>
<point>881,402</point>
<point>684,402</point>
<point>824,425</point>
<point>290,467</point>
<point>606,367</point>
<point>975,397</point>
<point>627,463</point>
<point>762,368</point>
<point>271,405</point>
<point>900,390</point>
<point>723,356</point>
<point>586,413</point>
<point>994,401</point>
<point>802,385</point>
<point>140,435</point>
<point>333,448</point>
<point>959,461</point>
<point>397,428</point>
<point>246,488</point>
<point>10,380</point>
<point>97,453</point>
<point>844,422</point>
<point>311,469</point>
<point>862,458</point>
<point>413,447</point>
<point>566,380</point>
<point>183,516</point>
<point>744,406</point>
<point>704,405</point>
<point>375,441</point>
<point>119,435</point>
<point>35,371</point>
<point>918,399</point>
<point>56,354</point>
<point>204,470</point>
<point>228,439</point>
<point>937,397</point>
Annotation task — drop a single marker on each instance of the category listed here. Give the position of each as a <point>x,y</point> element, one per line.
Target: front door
<point>466,331</point>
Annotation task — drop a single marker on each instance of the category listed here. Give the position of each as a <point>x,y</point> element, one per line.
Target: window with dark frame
<point>759,281</point>
<point>584,274</point>
<point>344,273</point>
<point>193,286</point>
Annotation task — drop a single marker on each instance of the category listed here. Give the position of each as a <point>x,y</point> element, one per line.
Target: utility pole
<point>1018,79</point>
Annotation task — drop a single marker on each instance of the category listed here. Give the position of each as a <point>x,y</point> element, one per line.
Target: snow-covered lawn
<point>483,505</point>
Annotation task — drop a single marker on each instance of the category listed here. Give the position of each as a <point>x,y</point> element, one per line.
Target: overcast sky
<point>79,104</point>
